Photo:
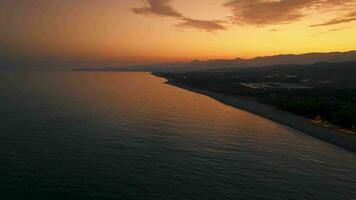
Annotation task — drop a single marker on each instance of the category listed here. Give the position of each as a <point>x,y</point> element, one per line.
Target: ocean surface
<point>78,135</point>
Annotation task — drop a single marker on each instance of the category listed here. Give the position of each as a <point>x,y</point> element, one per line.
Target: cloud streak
<point>339,20</point>
<point>330,30</point>
<point>207,25</point>
<point>270,12</point>
<point>256,12</point>
<point>159,8</point>
<point>164,9</point>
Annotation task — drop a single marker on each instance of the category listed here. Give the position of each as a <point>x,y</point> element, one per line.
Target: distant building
<point>291,76</point>
<point>274,85</point>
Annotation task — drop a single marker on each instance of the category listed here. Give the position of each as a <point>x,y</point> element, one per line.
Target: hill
<point>197,65</point>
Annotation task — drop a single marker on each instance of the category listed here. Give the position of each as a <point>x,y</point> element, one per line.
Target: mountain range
<point>197,65</point>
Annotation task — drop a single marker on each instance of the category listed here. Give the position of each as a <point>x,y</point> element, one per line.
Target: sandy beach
<point>341,139</point>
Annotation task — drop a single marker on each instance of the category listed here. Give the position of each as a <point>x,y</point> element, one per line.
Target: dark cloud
<point>164,9</point>
<point>256,12</point>
<point>339,20</point>
<point>269,12</point>
<point>158,7</point>
<point>208,25</point>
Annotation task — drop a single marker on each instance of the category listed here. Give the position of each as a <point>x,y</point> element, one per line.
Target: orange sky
<point>120,32</point>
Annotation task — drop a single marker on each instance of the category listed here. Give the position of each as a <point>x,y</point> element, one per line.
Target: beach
<point>341,139</point>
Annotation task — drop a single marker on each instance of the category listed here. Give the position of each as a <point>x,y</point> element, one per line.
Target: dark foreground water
<point>130,136</point>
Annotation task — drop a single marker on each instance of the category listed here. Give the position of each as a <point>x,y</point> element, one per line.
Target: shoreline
<point>338,138</point>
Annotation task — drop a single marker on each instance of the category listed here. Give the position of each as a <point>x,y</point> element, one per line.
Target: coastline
<point>338,138</point>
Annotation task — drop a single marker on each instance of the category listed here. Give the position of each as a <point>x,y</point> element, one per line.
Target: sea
<point>113,135</point>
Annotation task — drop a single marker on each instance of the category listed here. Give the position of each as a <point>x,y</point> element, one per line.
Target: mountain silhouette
<point>197,65</point>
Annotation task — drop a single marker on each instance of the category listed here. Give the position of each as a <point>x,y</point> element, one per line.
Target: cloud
<point>269,12</point>
<point>339,20</point>
<point>159,8</point>
<point>164,9</point>
<point>256,12</point>
<point>263,12</point>
<point>331,30</point>
<point>207,25</point>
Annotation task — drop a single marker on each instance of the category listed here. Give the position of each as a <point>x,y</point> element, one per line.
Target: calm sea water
<point>81,135</point>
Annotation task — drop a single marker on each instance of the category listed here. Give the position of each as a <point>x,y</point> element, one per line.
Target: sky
<point>128,32</point>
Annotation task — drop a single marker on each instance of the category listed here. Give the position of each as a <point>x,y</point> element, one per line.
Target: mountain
<point>197,65</point>
<point>308,58</point>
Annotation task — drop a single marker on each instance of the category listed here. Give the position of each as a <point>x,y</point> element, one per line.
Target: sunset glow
<point>125,32</point>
